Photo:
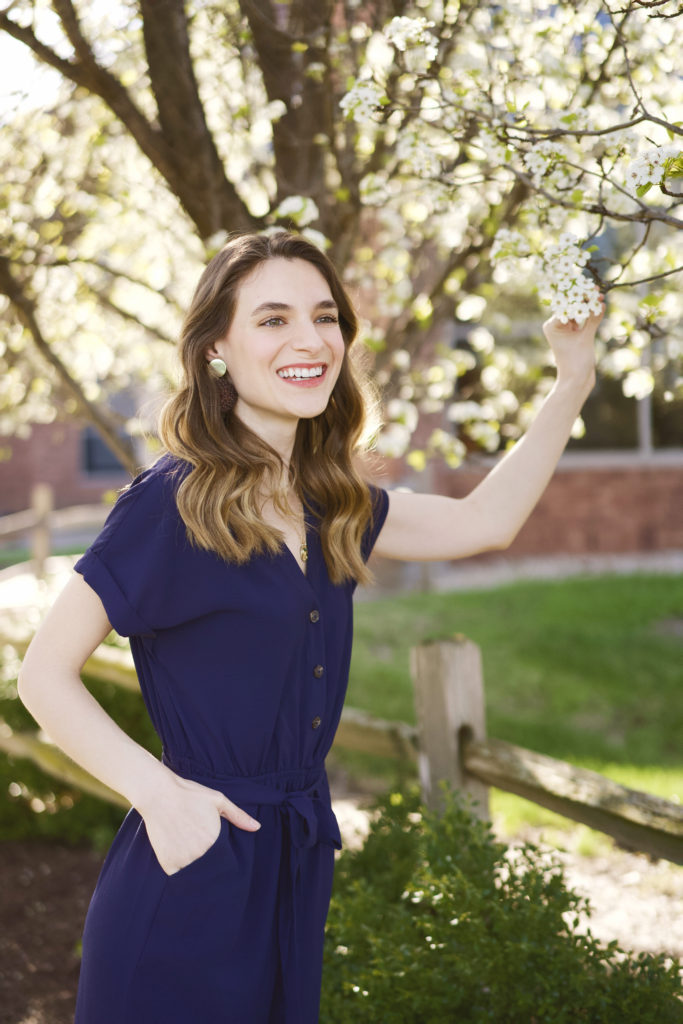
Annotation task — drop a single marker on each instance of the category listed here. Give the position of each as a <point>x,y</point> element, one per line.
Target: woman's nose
<point>307,338</point>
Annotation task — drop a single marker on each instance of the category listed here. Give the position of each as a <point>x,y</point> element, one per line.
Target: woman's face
<point>284,348</point>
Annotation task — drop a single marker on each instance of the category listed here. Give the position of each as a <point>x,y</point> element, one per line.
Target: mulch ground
<point>44,894</point>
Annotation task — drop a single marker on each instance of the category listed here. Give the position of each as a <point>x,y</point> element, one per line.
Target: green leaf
<point>642,190</point>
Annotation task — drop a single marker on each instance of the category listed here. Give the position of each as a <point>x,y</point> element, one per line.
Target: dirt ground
<point>46,888</point>
<point>44,896</point>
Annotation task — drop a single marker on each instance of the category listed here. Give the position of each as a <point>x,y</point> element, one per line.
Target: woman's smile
<point>307,375</point>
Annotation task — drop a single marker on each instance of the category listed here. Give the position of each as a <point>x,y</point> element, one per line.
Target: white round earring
<point>218,367</point>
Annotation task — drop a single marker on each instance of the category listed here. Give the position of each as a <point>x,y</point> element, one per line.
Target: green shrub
<point>36,805</point>
<point>433,922</point>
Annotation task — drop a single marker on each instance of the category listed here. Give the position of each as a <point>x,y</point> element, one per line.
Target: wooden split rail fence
<point>449,743</point>
<point>38,522</point>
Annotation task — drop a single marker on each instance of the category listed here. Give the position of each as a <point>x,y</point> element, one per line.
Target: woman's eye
<point>272,321</point>
<point>329,318</point>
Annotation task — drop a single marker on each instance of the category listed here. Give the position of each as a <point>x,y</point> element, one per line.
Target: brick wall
<point>596,502</point>
<point>51,455</point>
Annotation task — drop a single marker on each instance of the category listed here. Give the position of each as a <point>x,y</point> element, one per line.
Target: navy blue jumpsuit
<point>243,670</point>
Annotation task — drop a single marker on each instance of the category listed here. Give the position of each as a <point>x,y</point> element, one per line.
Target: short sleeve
<point>380,507</point>
<point>126,561</point>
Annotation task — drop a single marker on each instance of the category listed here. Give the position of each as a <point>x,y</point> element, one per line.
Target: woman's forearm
<point>50,686</point>
<point>510,491</point>
<point>77,723</point>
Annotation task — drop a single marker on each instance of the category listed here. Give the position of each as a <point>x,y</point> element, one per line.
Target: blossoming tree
<point>461,160</point>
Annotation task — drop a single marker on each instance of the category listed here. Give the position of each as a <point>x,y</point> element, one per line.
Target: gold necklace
<point>303,546</point>
<point>303,549</point>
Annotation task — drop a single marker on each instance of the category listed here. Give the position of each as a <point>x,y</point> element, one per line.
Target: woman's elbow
<point>26,683</point>
<point>32,672</point>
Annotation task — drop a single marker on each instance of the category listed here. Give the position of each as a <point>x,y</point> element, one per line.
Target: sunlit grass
<point>588,670</point>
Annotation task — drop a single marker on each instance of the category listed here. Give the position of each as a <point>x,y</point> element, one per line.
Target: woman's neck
<point>278,433</point>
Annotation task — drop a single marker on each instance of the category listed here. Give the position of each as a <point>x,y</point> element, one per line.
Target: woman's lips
<point>303,375</point>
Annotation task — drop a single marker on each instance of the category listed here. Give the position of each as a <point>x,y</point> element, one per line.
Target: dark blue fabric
<point>225,656</point>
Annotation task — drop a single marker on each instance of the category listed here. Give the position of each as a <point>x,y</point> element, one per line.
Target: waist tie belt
<point>308,819</point>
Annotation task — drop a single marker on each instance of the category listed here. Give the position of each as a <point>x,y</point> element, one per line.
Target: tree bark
<point>26,311</point>
<point>181,146</point>
<point>198,173</point>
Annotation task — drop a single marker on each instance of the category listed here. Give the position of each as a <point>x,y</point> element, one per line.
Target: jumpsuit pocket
<point>203,857</point>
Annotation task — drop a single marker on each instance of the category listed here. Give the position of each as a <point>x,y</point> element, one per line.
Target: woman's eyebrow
<point>284,307</point>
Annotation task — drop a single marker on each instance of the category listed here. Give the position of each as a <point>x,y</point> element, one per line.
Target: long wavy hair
<point>220,498</point>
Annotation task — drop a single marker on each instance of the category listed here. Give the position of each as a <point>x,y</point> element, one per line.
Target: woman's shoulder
<point>149,499</point>
<point>159,481</point>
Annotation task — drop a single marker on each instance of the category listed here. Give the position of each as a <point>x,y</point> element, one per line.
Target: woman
<point>231,565</point>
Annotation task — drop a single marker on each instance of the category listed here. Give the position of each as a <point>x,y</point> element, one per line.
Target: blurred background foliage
<point>138,135</point>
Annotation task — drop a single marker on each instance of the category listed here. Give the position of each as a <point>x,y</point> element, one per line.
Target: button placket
<point>318,669</point>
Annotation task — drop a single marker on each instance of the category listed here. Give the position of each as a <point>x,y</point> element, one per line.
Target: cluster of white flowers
<point>508,245</point>
<point>420,158</point>
<point>649,168</point>
<point>542,156</point>
<point>406,32</point>
<point>571,294</point>
<point>302,210</point>
<point>362,100</point>
<point>394,440</point>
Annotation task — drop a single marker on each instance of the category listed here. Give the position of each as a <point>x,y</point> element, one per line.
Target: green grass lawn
<point>589,670</point>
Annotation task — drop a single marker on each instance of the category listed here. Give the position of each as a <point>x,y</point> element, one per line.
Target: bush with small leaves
<point>433,921</point>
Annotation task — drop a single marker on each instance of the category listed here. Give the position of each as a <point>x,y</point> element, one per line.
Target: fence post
<point>449,703</point>
<point>41,504</point>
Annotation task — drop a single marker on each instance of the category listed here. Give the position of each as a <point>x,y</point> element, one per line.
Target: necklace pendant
<point>303,551</point>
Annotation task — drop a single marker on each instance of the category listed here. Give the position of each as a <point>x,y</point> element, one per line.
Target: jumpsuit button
<point>314,616</point>
<point>316,722</point>
<point>318,671</point>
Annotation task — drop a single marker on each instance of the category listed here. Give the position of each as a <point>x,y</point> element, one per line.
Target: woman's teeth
<point>301,372</point>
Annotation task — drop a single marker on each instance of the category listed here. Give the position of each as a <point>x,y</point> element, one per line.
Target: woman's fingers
<point>238,817</point>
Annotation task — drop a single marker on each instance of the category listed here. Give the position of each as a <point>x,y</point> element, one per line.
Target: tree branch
<point>283,61</point>
<point>199,177</point>
<point>177,163</point>
<point>643,280</point>
<point>26,311</point>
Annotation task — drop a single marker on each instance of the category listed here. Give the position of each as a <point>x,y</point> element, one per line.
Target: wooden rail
<point>41,519</point>
<point>449,697</point>
<point>449,743</point>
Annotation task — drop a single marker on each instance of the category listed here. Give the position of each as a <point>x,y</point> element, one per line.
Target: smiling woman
<point>231,564</point>
<point>273,309</point>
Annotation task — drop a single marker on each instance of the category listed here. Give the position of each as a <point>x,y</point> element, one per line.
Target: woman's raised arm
<point>424,527</point>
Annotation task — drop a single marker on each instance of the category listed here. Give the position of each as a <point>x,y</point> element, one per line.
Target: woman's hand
<point>574,348</point>
<point>183,819</point>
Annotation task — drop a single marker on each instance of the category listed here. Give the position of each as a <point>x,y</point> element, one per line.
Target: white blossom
<point>300,209</point>
<point>508,244</point>
<point>420,158</point>
<point>571,294</point>
<point>649,168</point>
<point>542,157</point>
<point>638,383</point>
<point>394,440</point>
<point>362,100</point>
<point>404,33</point>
